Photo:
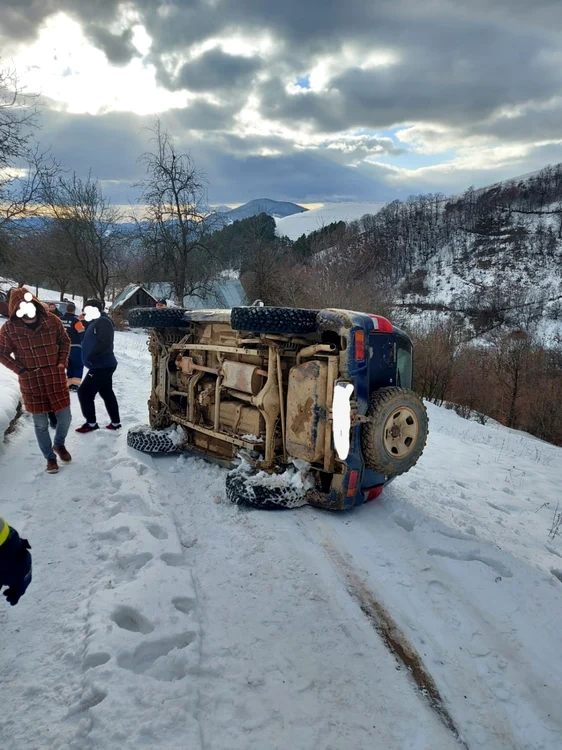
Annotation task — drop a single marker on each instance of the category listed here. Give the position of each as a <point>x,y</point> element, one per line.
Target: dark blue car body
<point>386,361</point>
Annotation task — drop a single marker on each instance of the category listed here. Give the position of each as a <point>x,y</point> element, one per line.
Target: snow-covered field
<point>162,617</point>
<point>297,224</point>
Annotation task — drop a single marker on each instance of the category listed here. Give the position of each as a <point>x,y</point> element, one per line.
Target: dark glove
<point>20,574</point>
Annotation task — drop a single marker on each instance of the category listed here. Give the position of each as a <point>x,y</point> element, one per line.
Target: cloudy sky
<point>306,100</point>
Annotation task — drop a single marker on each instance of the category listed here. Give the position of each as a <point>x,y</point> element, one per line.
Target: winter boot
<point>52,466</point>
<point>62,453</point>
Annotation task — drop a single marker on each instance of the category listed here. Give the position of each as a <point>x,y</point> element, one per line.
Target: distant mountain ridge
<point>275,209</point>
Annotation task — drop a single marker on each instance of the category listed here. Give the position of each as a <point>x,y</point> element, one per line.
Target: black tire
<point>147,440</point>
<point>153,317</point>
<point>381,450</point>
<point>243,489</point>
<point>274,320</point>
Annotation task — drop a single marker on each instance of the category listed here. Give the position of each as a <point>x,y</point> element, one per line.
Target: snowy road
<point>162,617</point>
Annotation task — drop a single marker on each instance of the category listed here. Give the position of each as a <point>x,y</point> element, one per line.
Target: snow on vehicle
<point>318,403</point>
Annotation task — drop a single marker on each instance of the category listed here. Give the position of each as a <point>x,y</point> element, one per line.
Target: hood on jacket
<point>17,296</point>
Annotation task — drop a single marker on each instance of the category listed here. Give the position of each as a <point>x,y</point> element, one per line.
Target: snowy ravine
<point>162,617</point>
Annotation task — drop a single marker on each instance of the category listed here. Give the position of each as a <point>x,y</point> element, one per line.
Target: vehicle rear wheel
<point>248,489</point>
<point>147,440</point>
<point>394,437</point>
<point>278,320</point>
<point>153,317</point>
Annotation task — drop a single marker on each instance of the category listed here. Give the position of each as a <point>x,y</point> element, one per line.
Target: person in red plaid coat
<point>36,347</point>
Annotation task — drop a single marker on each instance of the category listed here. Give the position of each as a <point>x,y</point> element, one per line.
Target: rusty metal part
<point>206,395</point>
<point>214,348</point>
<point>333,366</point>
<point>221,436</point>
<point>238,419</point>
<point>242,377</point>
<point>267,401</point>
<point>191,400</point>
<point>188,366</point>
<point>218,401</point>
<point>240,395</point>
<point>281,405</point>
<point>306,410</point>
<point>310,351</point>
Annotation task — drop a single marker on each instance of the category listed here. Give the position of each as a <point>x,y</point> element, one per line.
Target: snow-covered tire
<point>394,437</point>
<point>148,440</point>
<point>274,320</point>
<point>154,317</point>
<point>244,489</point>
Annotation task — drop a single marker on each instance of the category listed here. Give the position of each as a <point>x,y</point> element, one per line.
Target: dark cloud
<point>457,64</point>
<point>217,70</point>
<point>109,145</point>
<point>118,48</point>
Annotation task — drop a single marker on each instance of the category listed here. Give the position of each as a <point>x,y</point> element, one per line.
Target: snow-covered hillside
<point>305,223</point>
<point>43,294</point>
<point>160,616</point>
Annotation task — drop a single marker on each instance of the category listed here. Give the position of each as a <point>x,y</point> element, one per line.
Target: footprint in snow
<point>161,659</point>
<point>129,618</point>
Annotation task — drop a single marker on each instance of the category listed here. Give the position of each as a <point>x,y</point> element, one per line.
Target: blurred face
<point>160,304</point>
<point>52,308</point>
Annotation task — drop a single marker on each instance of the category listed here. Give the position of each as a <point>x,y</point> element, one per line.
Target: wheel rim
<point>401,431</point>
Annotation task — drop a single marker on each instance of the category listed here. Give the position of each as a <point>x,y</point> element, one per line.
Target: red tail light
<point>359,345</point>
<point>381,325</point>
<point>352,484</point>
<point>373,492</point>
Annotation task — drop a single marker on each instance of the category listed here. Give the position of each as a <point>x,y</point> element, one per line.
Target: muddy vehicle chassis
<point>260,383</point>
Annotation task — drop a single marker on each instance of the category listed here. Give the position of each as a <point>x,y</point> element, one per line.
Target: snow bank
<point>9,398</point>
<point>305,223</point>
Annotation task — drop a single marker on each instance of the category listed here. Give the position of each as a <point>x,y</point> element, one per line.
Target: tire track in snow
<point>394,639</point>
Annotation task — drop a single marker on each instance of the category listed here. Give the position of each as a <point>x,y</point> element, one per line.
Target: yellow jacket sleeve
<point>4,531</point>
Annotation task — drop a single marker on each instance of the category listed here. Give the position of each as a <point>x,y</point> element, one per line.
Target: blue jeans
<point>41,422</point>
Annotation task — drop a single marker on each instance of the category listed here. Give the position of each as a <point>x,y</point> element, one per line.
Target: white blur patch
<point>27,308</point>
<point>91,313</point>
<point>341,415</point>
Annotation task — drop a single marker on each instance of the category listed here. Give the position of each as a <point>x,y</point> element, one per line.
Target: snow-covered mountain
<point>276,209</point>
<point>304,223</point>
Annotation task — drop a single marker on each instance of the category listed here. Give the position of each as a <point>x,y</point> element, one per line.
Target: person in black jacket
<point>99,358</point>
<point>15,563</point>
<point>75,330</point>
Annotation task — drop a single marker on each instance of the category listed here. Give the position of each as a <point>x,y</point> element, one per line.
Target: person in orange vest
<point>75,331</point>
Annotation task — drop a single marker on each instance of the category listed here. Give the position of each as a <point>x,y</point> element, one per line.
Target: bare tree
<point>513,354</point>
<point>54,256</point>
<point>90,225</point>
<point>20,158</point>
<point>176,217</point>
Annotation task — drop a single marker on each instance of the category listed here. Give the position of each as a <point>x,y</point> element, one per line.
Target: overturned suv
<point>303,406</point>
